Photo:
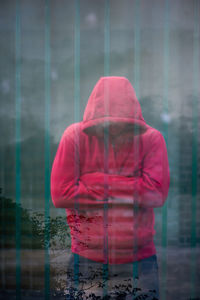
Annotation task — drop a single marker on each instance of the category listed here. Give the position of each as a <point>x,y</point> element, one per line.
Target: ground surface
<point>179,273</point>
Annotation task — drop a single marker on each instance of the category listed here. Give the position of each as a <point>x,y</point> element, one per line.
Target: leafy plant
<point>34,230</point>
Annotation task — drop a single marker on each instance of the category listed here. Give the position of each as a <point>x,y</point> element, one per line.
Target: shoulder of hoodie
<point>71,130</point>
<point>74,133</point>
<point>153,135</point>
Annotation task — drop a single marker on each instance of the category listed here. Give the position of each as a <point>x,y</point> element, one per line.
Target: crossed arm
<point>93,190</point>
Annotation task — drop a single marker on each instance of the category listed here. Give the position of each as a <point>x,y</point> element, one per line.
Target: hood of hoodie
<point>113,104</point>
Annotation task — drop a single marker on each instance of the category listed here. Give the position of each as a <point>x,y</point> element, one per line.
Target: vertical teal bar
<point>195,142</point>
<point>106,139</point>
<point>47,148</point>
<point>137,90</point>
<point>137,47</point>
<point>77,63</point>
<point>76,105</point>
<point>107,38</point>
<point>105,208</point>
<point>18,147</point>
<point>165,134</point>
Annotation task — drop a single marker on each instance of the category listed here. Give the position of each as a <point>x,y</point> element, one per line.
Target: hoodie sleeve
<point>67,189</point>
<point>147,189</point>
<point>150,188</point>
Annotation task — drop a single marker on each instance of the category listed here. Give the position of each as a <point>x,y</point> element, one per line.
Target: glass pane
<point>94,64</point>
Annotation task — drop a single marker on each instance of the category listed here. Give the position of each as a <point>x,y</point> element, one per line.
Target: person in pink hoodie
<point>110,171</point>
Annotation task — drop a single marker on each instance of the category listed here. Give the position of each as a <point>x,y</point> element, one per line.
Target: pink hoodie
<point>109,172</point>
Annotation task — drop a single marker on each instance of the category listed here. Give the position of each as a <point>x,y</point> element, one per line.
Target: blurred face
<point>118,129</point>
<point>111,128</point>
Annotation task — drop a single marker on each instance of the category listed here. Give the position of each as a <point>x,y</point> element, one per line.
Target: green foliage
<point>35,231</point>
